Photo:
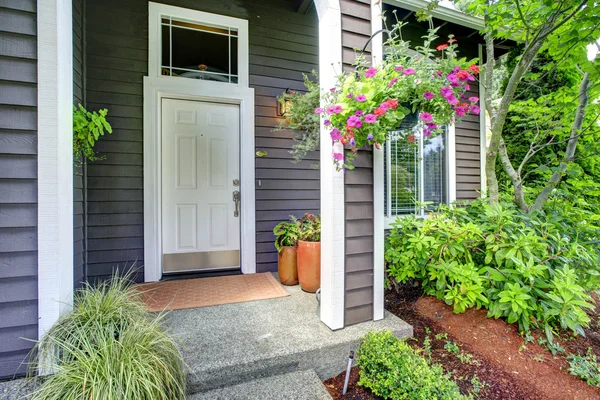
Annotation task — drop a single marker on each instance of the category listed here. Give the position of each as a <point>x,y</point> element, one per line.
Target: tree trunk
<point>571,146</point>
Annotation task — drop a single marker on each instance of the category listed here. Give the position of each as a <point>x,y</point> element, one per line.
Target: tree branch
<point>514,177</point>
<point>571,146</point>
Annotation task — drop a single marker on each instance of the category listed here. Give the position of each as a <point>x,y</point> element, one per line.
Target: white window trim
<point>55,161</point>
<point>450,178</point>
<point>155,13</point>
<point>482,128</point>
<point>155,89</point>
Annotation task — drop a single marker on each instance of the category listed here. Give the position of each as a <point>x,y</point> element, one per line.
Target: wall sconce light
<point>284,101</point>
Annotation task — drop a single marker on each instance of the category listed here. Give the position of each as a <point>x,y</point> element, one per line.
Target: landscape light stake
<point>348,370</point>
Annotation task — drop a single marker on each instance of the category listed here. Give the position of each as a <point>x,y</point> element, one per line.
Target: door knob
<point>236,200</point>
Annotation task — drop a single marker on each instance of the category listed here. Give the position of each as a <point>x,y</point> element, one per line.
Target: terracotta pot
<point>287,266</point>
<point>309,265</point>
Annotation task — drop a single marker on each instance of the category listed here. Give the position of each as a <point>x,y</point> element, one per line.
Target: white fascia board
<point>441,12</point>
<point>332,181</point>
<point>55,160</point>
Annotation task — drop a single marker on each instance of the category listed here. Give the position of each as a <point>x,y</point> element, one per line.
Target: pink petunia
<point>432,125</point>
<point>352,120</point>
<point>473,99</point>
<point>392,82</point>
<point>349,96</point>
<point>475,110</point>
<point>370,118</point>
<point>371,72</point>
<point>361,98</point>
<point>446,92</point>
<point>358,124</point>
<point>452,100</point>
<point>338,156</point>
<point>409,71</point>
<point>426,132</point>
<point>332,89</point>
<point>359,113</point>
<point>327,122</point>
<point>384,105</point>
<point>336,109</point>
<point>425,116</point>
<point>318,110</point>
<point>335,134</point>
<point>399,68</point>
<point>428,95</point>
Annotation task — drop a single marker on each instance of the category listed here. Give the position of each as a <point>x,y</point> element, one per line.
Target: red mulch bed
<point>508,369</point>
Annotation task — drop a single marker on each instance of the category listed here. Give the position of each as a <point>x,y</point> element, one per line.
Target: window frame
<point>156,12</point>
<point>450,166</point>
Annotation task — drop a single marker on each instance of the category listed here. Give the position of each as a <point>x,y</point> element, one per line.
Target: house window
<point>198,50</point>
<point>416,170</point>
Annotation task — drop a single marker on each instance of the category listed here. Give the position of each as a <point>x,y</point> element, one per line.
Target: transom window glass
<point>199,51</point>
<point>415,170</point>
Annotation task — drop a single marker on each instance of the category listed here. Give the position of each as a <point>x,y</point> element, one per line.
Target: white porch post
<point>378,181</point>
<point>55,160</point>
<point>332,181</point>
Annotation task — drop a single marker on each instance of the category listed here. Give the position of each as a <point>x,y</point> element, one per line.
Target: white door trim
<point>157,88</point>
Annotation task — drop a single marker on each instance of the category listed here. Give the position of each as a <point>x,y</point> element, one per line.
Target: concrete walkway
<point>235,343</point>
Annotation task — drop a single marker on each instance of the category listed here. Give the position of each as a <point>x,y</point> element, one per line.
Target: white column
<point>55,161</point>
<point>332,181</point>
<point>378,181</point>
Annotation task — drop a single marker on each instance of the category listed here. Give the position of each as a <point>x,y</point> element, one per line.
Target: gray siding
<point>18,183</point>
<point>358,185</point>
<point>468,156</point>
<point>283,45</point>
<point>78,172</point>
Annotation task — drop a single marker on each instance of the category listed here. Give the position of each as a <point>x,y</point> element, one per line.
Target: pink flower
<point>370,118</point>
<point>370,72</point>
<point>318,110</point>
<point>352,120</point>
<point>446,92</point>
<point>475,110</point>
<point>426,132</point>
<point>473,99</point>
<point>327,122</point>
<point>392,82</point>
<point>336,109</point>
<point>384,105</point>
<point>338,156</point>
<point>361,98</point>
<point>452,100</point>
<point>332,90</point>
<point>432,125</point>
<point>335,134</point>
<point>428,95</point>
<point>358,124</point>
<point>349,96</point>
<point>408,71</point>
<point>399,68</point>
<point>379,111</point>
<point>425,116</point>
<point>359,113</point>
<point>467,87</point>
<point>330,110</point>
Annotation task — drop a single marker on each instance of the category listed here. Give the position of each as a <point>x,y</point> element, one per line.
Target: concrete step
<point>299,385</point>
<point>235,343</point>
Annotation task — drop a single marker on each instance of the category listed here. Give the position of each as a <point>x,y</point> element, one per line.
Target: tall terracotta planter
<point>309,265</point>
<point>287,266</point>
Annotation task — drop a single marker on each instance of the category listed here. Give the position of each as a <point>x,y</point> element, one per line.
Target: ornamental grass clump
<point>392,369</point>
<point>365,107</point>
<point>108,347</point>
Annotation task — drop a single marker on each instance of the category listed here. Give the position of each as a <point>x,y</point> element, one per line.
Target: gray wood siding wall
<point>358,185</point>
<point>78,196</point>
<point>18,183</point>
<point>468,156</point>
<point>283,45</point>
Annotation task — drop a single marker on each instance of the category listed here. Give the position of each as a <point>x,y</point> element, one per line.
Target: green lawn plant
<point>586,367</point>
<point>109,348</point>
<point>286,234</point>
<point>535,270</point>
<point>392,369</point>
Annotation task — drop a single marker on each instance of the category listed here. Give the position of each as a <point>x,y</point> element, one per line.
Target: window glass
<point>197,51</point>
<point>414,169</point>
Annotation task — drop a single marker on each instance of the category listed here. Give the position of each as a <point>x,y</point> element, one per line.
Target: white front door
<point>200,179</point>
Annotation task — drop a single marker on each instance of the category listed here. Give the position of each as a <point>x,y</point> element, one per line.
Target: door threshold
<point>200,274</point>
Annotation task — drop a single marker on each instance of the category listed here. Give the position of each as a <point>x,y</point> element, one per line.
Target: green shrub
<point>586,367</point>
<point>535,270</point>
<point>392,369</point>
<point>108,347</point>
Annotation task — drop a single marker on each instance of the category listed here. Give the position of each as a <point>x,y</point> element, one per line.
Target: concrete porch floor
<point>231,344</point>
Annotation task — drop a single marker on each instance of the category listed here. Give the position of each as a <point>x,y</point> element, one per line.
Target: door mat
<point>205,292</point>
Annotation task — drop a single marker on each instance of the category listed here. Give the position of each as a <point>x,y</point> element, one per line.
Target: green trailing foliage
<point>532,269</point>
<point>286,233</point>
<point>392,369</point>
<point>88,127</point>
<point>109,348</point>
<point>586,367</point>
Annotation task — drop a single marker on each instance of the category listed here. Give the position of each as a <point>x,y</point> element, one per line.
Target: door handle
<point>236,200</point>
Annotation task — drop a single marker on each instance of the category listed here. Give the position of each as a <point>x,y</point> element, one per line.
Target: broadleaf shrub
<point>392,369</point>
<point>531,269</point>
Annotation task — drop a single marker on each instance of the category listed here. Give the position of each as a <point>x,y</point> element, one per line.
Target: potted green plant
<point>286,241</point>
<point>309,253</point>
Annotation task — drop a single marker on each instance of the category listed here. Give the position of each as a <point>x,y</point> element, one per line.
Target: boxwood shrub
<point>392,369</point>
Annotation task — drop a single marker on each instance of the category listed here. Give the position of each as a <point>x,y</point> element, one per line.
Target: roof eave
<point>441,12</point>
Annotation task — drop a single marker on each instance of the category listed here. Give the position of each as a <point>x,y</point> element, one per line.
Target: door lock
<point>236,200</point>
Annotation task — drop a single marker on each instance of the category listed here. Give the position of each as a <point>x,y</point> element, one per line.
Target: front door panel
<point>200,162</point>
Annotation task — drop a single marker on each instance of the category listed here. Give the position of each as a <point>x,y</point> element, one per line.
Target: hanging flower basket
<point>365,106</point>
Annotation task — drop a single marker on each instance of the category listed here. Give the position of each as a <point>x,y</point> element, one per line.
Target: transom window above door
<point>185,43</point>
<point>199,51</point>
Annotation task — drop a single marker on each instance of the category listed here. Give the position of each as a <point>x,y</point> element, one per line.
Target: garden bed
<point>470,345</point>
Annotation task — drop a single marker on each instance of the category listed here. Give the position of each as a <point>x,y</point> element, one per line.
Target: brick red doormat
<point>204,292</point>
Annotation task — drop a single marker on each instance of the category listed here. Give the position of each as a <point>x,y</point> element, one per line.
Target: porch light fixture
<point>284,103</point>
